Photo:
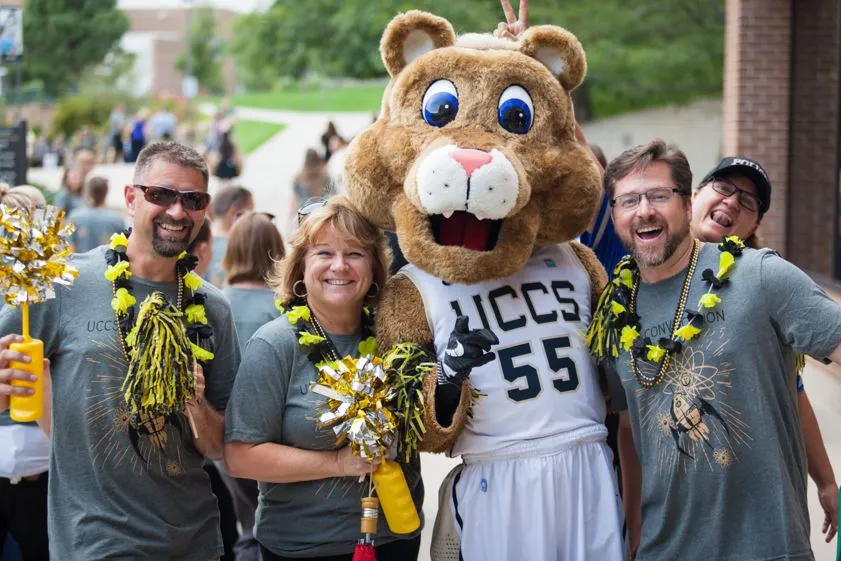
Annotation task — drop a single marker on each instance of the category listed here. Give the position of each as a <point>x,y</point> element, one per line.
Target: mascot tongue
<point>464,229</point>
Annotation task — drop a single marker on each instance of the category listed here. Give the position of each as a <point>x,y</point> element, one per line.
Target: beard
<point>649,255</point>
<point>171,247</point>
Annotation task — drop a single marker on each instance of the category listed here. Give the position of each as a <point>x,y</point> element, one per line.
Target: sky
<point>234,5</point>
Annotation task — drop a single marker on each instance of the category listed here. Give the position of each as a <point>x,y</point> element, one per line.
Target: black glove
<point>467,349</point>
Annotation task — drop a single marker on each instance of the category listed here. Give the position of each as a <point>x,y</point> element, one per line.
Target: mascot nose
<point>471,159</point>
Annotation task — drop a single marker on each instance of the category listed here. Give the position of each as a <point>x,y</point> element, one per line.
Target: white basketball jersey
<point>543,382</point>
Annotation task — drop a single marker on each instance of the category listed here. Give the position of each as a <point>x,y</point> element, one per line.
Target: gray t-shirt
<point>719,440</point>
<point>271,402</point>
<point>67,201</point>
<point>252,308</point>
<point>110,497</point>
<point>94,227</point>
<point>215,273</point>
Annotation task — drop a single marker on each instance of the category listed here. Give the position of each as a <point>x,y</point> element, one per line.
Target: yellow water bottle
<point>28,408</point>
<point>395,498</point>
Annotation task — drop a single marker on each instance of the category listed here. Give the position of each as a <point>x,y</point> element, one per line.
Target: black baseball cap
<point>749,168</point>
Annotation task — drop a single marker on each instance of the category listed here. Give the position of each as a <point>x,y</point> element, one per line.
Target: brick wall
<point>813,191</point>
<point>756,97</point>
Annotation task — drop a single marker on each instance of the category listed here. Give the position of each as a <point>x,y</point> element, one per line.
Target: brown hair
<point>173,153</point>
<point>254,246</point>
<point>640,157</point>
<point>22,196</point>
<point>347,221</point>
<point>97,189</point>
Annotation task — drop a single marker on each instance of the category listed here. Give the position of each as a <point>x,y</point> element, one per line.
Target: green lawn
<point>351,98</point>
<point>249,135</point>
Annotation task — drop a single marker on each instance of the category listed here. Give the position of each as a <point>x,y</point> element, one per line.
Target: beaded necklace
<point>313,336</point>
<point>616,325</point>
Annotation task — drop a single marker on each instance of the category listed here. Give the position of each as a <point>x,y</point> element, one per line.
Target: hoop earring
<point>376,288</point>
<point>295,289</point>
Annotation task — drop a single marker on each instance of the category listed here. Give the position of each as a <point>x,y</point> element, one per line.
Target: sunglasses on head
<point>164,196</point>
<point>310,205</point>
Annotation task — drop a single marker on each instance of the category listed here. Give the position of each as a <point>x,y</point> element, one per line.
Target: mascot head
<point>473,160</point>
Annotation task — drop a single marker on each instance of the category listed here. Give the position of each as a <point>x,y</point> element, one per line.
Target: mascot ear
<point>558,50</point>
<point>410,35</point>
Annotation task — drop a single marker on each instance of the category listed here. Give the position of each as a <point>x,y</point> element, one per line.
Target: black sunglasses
<point>164,196</point>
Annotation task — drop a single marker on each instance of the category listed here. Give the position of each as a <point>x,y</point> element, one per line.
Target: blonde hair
<point>254,246</point>
<point>338,214</point>
<point>22,196</point>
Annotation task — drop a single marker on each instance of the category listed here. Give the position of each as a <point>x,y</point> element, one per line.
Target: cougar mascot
<point>474,163</point>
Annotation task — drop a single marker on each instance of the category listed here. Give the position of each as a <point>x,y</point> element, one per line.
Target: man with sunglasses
<point>125,487</point>
<point>700,341</point>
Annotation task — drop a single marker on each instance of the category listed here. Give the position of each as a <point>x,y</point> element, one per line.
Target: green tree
<point>64,38</point>
<point>640,52</point>
<point>206,51</point>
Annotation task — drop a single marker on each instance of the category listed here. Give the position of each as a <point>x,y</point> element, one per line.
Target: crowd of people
<point>251,476</point>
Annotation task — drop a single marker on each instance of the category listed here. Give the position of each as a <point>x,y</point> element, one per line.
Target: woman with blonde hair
<point>310,488</point>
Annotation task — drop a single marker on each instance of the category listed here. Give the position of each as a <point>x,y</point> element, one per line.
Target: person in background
<point>311,181</point>
<point>25,456</point>
<point>228,204</point>
<point>731,201</point>
<point>163,124</point>
<point>601,236</point>
<point>137,135</point>
<point>310,488</point>
<point>94,223</point>
<point>336,164</point>
<point>202,248</point>
<point>254,246</point>
<point>227,164</point>
<point>85,159</point>
<point>69,195</point>
<point>116,124</point>
<point>327,139</point>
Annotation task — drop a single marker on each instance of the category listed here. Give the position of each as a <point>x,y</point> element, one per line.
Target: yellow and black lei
<point>163,342</point>
<point>616,325</point>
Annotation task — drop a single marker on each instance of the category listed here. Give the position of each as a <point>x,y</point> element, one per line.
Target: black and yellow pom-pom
<point>605,331</point>
<point>160,374</point>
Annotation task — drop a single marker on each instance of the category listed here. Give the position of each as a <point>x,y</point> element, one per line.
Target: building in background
<point>157,36</point>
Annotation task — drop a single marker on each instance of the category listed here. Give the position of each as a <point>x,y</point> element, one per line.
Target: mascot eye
<point>516,111</point>
<point>440,103</point>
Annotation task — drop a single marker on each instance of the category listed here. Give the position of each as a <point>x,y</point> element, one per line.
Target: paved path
<point>269,171</point>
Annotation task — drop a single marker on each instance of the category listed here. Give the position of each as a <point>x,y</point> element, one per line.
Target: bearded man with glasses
<point>127,482</point>
<point>700,340</point>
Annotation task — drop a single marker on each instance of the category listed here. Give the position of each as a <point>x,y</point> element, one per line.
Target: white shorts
<point>558,507</point>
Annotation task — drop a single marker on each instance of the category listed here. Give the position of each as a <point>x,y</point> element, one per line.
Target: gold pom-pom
<point>34,249</point>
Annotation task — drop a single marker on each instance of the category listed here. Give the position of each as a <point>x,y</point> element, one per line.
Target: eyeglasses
<point>658,196</point>
<point>748,201</point>
<point>310,205</point>
<point>166,197</point>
